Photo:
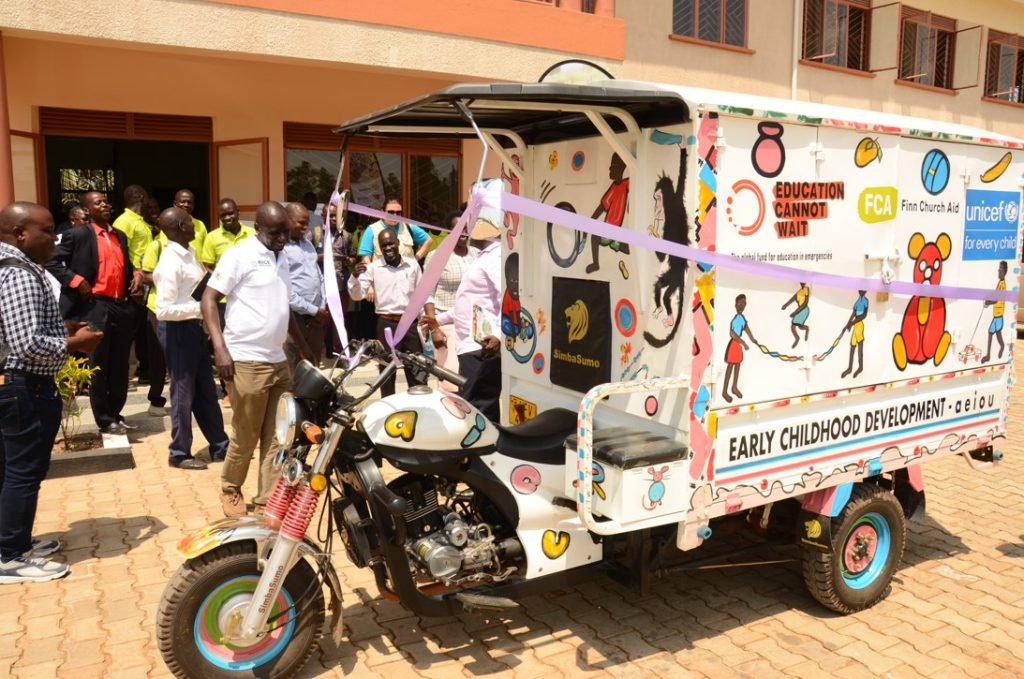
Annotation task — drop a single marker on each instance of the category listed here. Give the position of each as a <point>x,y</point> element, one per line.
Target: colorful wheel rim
<point>866,551</point>
<point>226,656</point>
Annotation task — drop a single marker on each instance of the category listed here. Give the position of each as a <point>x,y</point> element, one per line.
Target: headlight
<point>287,416</point>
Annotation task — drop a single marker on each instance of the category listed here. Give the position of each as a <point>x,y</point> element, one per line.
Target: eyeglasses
<point>393,212</point>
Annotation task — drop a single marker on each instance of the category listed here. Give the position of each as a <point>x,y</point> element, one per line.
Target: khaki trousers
<point>255,392</point>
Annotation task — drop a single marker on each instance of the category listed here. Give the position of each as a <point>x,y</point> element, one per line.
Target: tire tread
<point>821,569</point>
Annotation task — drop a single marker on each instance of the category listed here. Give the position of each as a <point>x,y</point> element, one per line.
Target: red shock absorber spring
<point>300,513</point>
<point>280,499</point>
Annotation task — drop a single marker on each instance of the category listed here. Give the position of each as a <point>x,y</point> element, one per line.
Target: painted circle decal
<point>935,172</point>
<point>625,317</point>
<point>651,406</point>
<point>754,223</point>
<point>538,363</point>
<point>579,159</point>
<point>525,479</point>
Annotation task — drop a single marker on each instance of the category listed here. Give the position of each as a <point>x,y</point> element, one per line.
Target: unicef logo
<point>1011,211</point>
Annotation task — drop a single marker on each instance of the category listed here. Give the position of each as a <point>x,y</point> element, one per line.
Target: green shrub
<point>71,380</point>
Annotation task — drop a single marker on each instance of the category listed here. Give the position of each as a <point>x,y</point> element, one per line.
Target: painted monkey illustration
<point>995,329</point>
<point>669,283</point>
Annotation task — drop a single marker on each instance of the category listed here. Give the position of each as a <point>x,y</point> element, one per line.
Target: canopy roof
<point>546,112</point>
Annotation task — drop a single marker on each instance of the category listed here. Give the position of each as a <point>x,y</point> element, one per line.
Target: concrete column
<point>6,161</point>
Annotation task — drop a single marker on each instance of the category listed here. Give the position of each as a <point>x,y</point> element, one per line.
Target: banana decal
<point>554,544</point>
<point>578,318</point>
<point>996,171</point>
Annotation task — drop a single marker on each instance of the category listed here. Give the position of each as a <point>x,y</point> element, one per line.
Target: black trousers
<point>141,338</point>
<point>108,390</point>
<point>411,343</point>
<point>192,390</point>
<point>483,382</point>
<point>157,364</point>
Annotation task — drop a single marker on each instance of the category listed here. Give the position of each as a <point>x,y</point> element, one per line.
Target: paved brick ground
<point>957,606</point>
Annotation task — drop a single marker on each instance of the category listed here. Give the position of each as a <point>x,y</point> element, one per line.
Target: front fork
<point>291,507</point>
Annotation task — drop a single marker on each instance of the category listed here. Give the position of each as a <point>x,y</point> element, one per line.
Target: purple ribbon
<point>331,279</point>
<point>547,213</point>
<point>370,212</point>
<point>434,269</point>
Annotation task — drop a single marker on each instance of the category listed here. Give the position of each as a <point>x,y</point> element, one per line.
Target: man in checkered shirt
<point>34,345</point>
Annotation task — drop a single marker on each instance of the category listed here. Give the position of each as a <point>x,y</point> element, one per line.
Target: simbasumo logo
<point>581,339</point>
<point>578,319</point>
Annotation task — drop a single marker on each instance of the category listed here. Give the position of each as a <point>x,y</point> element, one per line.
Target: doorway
<point>77,164</point>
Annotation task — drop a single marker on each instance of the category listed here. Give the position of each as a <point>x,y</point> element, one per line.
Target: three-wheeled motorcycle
<point>771,313</point>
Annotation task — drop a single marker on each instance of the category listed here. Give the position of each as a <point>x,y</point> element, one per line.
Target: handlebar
<point>373,349</point>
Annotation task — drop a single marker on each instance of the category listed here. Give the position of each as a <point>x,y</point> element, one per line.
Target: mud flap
<point>815,531</point>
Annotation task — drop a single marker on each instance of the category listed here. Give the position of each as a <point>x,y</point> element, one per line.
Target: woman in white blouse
<point>444,298</point>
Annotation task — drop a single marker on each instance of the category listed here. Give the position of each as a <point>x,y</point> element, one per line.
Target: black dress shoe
<point>187,463</point>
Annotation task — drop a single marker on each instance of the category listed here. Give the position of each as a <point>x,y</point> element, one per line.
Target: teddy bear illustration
<point>923,334</point>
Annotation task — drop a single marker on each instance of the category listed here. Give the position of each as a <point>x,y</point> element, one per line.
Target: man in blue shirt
<point>308,303</point>
<point>412,240</point>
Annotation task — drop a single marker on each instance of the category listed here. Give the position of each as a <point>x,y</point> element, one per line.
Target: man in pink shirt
<point>479,362</point>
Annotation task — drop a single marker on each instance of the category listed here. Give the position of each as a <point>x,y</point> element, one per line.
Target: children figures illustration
<point>613,206</point>
<point>799,316</point>
<point>512,322</point>
<point>995,329</point>
<point>734,350</point>
<point>856,327</point>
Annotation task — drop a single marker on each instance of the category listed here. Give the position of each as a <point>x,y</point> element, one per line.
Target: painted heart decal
<point>456,406</point>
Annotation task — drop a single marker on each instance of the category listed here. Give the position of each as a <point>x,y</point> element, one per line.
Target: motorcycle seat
<point>540,440</point>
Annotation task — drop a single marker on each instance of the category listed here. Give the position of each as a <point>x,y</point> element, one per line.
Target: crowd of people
<point>233,304</point>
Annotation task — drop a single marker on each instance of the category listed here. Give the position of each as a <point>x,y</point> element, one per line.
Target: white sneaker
<point>43,548</point>
<point>30,569</point>
<point>157,411</point>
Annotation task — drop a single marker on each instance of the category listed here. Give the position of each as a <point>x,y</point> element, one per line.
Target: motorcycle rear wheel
<point>194,609</point>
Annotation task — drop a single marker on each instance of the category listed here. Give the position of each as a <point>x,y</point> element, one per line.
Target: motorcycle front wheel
<point>200,601</point>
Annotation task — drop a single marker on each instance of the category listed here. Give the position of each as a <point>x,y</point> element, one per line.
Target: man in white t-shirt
<point>249,354</point>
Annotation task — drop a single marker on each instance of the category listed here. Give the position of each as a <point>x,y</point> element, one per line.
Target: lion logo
<point>578,319</point>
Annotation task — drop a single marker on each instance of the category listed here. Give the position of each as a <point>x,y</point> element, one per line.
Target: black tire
<point>873,514</point>
<point>215,574</point>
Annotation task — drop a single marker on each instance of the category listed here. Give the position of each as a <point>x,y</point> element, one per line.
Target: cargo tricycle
<point>722,306</point>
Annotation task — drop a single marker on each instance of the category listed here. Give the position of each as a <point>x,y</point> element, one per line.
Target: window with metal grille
<point>836,32</point>
<point>76,181</point>
<point>1004,70</point>
<point>721,21</point>
<point>926,48</point>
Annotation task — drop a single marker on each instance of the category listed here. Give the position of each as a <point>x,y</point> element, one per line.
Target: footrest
<point>630,447</point>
